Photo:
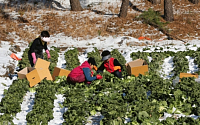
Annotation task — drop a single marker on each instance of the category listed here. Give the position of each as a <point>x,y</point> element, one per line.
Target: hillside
<point>99,19</point>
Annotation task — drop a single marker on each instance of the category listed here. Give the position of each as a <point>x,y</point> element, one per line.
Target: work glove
<point>117,68</point>
<point>99,76</point>
<point>34,57</point>
<point>48,54</point>
<point>92,73</point>
<point>95,68</point>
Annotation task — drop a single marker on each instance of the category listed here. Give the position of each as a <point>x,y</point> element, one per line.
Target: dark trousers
<point>30,58</point>
<point>117,74</point>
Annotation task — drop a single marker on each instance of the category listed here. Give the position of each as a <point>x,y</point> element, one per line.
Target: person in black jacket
<point>36,48</point>
<point>111,64</point>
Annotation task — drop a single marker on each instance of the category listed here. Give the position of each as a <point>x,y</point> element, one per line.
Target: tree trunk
<point>168,11</point>
<point>75,5</point>
<point>194,1</point>
<point>155,1</point>
<point>124,8</point>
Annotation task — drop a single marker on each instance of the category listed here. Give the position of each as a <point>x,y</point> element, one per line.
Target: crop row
<point>119,99</point>
<point>42,111</point>
<point>11,102</point>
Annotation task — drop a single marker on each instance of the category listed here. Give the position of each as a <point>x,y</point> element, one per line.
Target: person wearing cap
<point>36,48</point>
<point>111,64</point>
<point>83,73</point>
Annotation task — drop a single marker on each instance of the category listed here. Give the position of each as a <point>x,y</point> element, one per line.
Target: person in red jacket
<point>83,73</point>
<point>111,64</point>
<point>36,48</point>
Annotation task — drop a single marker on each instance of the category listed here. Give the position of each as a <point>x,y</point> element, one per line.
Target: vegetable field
<point>142,100</point>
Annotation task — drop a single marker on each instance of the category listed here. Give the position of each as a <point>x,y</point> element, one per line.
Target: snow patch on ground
<point>167,68</point>
<point>58,111</point>
<point>4,85</point>
<point>26,106</point>
<point>192,66</point>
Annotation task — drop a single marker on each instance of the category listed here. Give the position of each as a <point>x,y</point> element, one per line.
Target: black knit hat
<point>92,61</point>
<point>45,34</point>
<point>105,55</point>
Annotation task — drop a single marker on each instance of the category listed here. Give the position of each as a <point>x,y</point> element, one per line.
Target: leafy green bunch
<point>24,62</point>
<point>71,57</point>
<point>42,111</point>
<point>181,120</point>
<point>181,64</point>
<point>157,60</point>
<point>196,56</point>
<point>96,55</point>
<point>140,55</point>
<point>77,103</point>
<point>54,58</point>
<point>108,99</point>
<point>11,103</point>
<point>189,95</point>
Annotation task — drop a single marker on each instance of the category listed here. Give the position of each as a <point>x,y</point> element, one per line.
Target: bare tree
<point>194,1</point>
<point>155,1</point>
<point>75,5</point>
<point>168,11</point>
<point>124,8</point>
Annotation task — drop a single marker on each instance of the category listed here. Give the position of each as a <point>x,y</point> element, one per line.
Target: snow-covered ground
<point>111,42</point>
<point>28,100</point>
<point>101,43</point>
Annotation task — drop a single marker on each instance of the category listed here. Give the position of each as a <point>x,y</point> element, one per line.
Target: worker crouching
<point>83,73</point>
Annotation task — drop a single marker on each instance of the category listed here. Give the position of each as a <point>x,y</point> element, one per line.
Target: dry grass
<point>9,69</point>
<point>80,24</point>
